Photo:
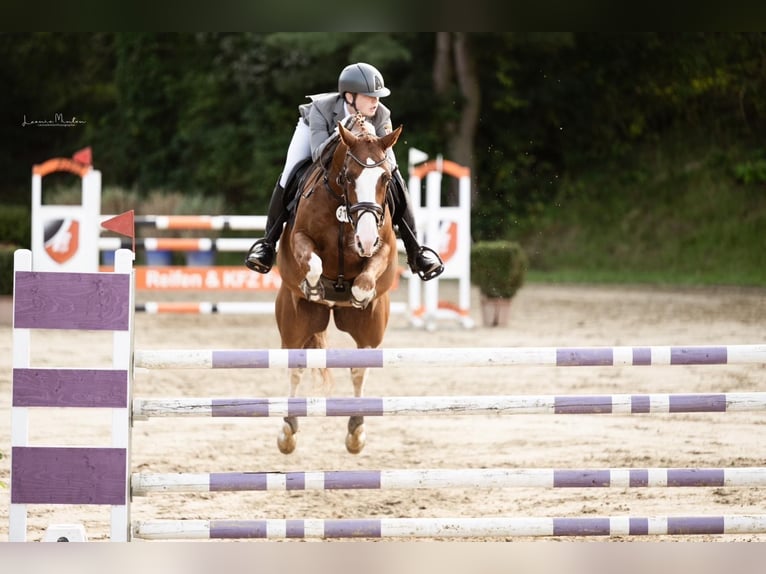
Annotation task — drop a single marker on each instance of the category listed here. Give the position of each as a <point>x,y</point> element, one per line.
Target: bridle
<point>356,210</point>
<point>346,213</point>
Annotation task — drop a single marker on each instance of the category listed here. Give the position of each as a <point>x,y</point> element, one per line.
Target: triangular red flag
<point>123,224</point>
<point>84,156</point>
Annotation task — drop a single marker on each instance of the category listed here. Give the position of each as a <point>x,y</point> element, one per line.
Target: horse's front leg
<point>363,290</point>
<point>356,437</point>
<point>310,265</point>
<point>286,439</point>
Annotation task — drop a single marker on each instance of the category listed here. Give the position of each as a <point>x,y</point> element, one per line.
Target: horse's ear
<point>389,140</point>
<point>345,135</point>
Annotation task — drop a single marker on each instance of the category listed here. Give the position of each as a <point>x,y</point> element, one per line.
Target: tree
<point>457,85</point>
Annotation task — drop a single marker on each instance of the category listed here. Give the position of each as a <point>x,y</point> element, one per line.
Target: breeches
<point>300,149</point>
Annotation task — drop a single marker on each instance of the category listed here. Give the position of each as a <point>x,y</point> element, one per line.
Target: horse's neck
<point>338,158</point>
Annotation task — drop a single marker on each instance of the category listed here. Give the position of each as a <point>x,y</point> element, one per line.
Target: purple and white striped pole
<point>443,357</point>
<point>143,484</point>
<point>620,404</point>
<point>487,526</point>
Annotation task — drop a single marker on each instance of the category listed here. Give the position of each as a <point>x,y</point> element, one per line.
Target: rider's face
<point>366,105</point>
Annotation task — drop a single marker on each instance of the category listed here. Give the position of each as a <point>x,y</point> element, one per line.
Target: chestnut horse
<point>338,256</point>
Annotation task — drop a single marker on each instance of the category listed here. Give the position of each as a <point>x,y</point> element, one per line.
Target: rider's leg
<point>262,253</point>
<point>423,261</point>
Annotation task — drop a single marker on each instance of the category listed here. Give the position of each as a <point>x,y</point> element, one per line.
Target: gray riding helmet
<point>364,79</point>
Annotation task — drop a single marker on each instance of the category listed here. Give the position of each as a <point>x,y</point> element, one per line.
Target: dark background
<point>575,140</point>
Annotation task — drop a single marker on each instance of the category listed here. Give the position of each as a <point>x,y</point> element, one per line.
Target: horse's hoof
<point>312,292</point>
<point>361,298</point>
<point>286,440</point>
<point>359,304</point>
<point>356,440</point>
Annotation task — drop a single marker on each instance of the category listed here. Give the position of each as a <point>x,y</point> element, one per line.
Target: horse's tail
<point>322,376</point>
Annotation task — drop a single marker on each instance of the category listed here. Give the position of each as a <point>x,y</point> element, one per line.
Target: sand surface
<point>541,316</point>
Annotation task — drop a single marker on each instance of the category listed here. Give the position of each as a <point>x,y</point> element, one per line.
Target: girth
<point>336,289</point>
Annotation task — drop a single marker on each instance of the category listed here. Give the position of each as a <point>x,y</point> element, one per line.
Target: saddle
<point>294,183</point>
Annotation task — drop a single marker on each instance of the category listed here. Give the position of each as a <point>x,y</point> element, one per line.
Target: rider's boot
<point>423,261</point>
<point>261,256</point>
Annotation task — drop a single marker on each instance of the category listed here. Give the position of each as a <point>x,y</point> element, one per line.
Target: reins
<point>344,213</point>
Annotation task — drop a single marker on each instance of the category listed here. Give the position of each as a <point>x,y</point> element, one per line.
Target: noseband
<point>351,213</point>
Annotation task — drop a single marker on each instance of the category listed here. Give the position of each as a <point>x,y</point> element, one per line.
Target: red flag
<point>84,156</point>
<point>122,224</point>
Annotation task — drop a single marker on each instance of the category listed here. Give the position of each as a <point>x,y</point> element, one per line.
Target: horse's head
<point>365,176</point>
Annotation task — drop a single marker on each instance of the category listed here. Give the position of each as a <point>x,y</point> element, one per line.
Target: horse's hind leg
<point>286,439</point>
<point>301,325</point>
<point>367,328</point>
<point>356,437</point>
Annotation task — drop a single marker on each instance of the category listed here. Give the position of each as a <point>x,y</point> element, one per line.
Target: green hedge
<point>16,225</point>
<point>6,269</point>
<point>498,267</point>
<point>15,233</point>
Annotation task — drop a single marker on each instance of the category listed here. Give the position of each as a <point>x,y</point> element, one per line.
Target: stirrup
<point>261,257</point>
<point>436,269</point>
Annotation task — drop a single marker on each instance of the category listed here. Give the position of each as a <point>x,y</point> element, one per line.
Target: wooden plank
<point>58,300</point>
<point>99,388</point>
<point>68,475</point>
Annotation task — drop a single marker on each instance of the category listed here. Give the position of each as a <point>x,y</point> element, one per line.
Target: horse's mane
<point>325,158</point>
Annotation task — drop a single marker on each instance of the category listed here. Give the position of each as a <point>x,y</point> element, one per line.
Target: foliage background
<point>610,157</point>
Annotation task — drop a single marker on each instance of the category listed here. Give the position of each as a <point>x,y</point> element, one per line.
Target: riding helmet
<point>361,78</point>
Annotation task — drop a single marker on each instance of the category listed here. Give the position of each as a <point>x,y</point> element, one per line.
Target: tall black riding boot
<point>261,256</point>
<point>423,261</point>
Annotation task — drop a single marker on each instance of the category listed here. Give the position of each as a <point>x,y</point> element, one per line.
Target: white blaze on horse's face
<point>367,238</point>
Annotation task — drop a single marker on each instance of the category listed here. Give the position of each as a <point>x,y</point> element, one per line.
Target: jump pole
<point>206,307</point>
<point>445,357</point>
<point>210,222</point>
<point>495,527</point>
<point>449,406</point>
<point>143,484</point>
<point>178,243</point>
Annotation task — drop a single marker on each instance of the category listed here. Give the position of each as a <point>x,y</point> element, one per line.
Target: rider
<point>360,86</point>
